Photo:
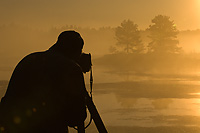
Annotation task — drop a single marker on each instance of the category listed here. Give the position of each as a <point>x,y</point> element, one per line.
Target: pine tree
<point>128,37</point>
<point>163,33</point>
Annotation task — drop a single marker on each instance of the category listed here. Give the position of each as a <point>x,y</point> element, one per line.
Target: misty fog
<point>146,66</point>
<point>17,41</point>
<point>134,92</point>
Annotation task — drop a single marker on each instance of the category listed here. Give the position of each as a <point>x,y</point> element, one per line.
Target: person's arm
<point>77,97</point>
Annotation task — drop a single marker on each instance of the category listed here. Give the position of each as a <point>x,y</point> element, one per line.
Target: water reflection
<point>128,106</point>
<point>147,112</point>
<point>163,106</point>
<point>162,103</point>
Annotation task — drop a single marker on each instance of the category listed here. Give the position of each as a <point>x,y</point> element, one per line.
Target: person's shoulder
<point>29,59</point>
<point>33,55</point>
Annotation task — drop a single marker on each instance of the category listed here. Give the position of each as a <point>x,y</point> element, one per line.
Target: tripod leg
<point>95,115</point>
<point>81,128</point>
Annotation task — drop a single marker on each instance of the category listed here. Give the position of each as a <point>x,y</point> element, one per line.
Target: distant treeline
<point>149,63</point>
<point>16,41</point>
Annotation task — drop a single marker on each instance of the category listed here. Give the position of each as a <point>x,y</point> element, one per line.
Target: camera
<point>85,62</point>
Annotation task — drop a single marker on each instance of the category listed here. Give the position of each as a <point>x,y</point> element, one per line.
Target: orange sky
<point>98,13</point>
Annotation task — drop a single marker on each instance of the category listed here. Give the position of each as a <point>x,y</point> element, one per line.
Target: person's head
<point>70,43</point>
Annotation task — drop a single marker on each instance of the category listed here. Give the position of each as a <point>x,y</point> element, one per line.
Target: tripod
<point>93,111</point>
<point>95,116</point>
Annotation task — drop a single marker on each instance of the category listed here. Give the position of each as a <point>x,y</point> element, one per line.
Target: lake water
<point>148,103</point>
<point>144,104</point>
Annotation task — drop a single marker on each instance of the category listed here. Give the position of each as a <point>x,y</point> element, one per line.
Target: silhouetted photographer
<point>46,92</point>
